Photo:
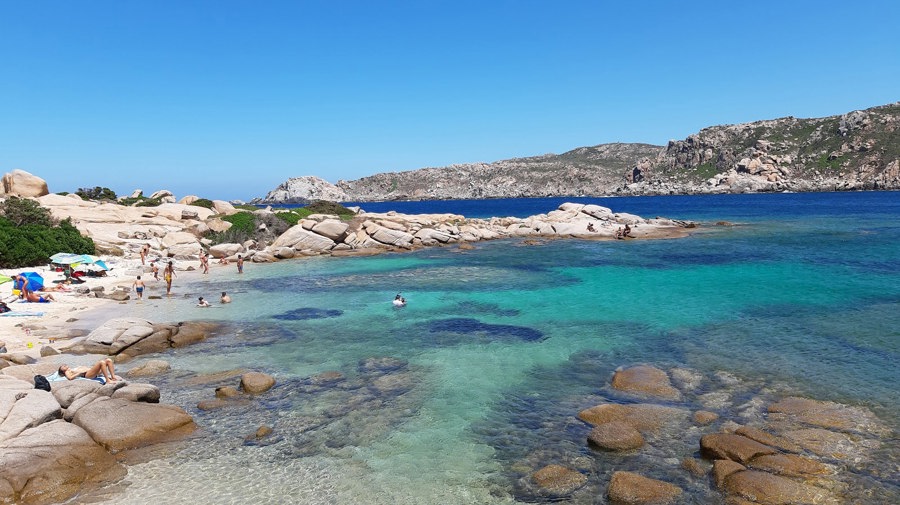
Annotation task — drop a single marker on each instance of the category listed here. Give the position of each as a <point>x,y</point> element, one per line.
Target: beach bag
<point>41,382</point>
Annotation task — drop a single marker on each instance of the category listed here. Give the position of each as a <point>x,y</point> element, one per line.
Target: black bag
<point>41,382</point>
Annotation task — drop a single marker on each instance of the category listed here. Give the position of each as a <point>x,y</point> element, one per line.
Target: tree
<point>22,211</point>
<point>96,193</point>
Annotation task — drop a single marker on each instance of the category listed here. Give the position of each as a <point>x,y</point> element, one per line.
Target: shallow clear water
<point>501,346</point>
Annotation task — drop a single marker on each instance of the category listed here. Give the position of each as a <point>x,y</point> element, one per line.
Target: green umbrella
<point>4,278</point>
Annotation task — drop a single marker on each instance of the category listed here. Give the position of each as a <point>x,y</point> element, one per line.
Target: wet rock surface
<point>720,439</point>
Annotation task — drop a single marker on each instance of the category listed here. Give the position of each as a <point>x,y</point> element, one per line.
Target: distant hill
<point>859,150</point>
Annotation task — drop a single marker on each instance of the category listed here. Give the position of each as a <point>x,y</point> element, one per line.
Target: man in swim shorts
<point>35,298</point>
<point>139,287</point>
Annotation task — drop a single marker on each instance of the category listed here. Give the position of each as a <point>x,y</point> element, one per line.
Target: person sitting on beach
<point>102,369</point>
<point>590,227</point>
<point>626,232</point>
<point>223,260</point>
<point>21,283</point>
<point>202,303</point>
<point>35,298</point>
<point>619,233</point>
<point>225,298</point>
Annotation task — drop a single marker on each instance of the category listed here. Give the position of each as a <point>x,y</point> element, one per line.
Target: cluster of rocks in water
<point>649,436</point>
<point>655,443</point>
<point>58,443</point>
<point>66,442</point>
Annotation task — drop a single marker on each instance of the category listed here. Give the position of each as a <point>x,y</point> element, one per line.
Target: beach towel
<point>21,314</point>
<point>56,377</point>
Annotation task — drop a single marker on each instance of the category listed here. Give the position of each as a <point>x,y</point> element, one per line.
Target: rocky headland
<point>178,230</point>
<point>853,151</point>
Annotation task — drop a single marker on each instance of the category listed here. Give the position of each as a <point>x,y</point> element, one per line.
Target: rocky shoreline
<point>60,443</point>
<point>657,435</point>
<point>649,435</point>
<point>175,230</point>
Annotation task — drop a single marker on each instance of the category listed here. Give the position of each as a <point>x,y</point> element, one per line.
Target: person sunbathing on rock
<point>102,369</point>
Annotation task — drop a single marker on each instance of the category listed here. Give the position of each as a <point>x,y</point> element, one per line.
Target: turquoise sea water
<point>501,346</point>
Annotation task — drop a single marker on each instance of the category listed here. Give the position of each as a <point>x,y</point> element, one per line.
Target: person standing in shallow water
<point>240,264</point>
<point>204,262</point>
<point>139,287</point>
<point>168,274</point>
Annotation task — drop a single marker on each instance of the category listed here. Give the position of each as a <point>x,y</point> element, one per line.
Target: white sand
<point>28,333</point>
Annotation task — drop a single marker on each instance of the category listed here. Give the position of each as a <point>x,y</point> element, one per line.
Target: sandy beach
<point>31,326</point>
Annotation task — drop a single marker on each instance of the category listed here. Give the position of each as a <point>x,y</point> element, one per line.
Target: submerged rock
<point>558,480</point>
<point>733,447</point>
<point>256,382</point>
<point>615,436</point>
<point>645,380</point>
<point>627,488</point>
<point>763,487</point>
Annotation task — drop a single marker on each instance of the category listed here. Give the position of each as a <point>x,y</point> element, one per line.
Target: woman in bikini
<point>168,273</point>
<point>103,368</point>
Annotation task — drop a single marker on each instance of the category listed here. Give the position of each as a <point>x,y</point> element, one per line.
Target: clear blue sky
<point>227,99</point>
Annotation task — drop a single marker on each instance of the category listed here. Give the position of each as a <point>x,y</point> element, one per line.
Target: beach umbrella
<point>35,281</point>
<point>77,259</point>
<point>4,278</point>
<point>90,267</point>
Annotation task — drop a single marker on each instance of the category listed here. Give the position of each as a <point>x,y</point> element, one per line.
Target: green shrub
<point>149,202</point>
<point>141,201</point>
<point>203,202</point>
<point>244,221</point>
<point>290,217</point>
<point>323,207</point>
<point>96,193</point>
<point>22,211</point>
<point>32,244</point>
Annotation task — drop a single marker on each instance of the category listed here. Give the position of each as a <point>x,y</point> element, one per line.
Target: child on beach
<point>155,269</point>
<point>139,287</point>
<point>240,264</point>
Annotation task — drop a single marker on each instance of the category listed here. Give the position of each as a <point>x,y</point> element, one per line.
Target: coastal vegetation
<point>206,203</point>
<point>29,235</point>
<point>96,193</point>
<point>263,227</point>
<point>859,150</point>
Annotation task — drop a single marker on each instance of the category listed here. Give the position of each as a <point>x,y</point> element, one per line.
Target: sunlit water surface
<point>501,346</point>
